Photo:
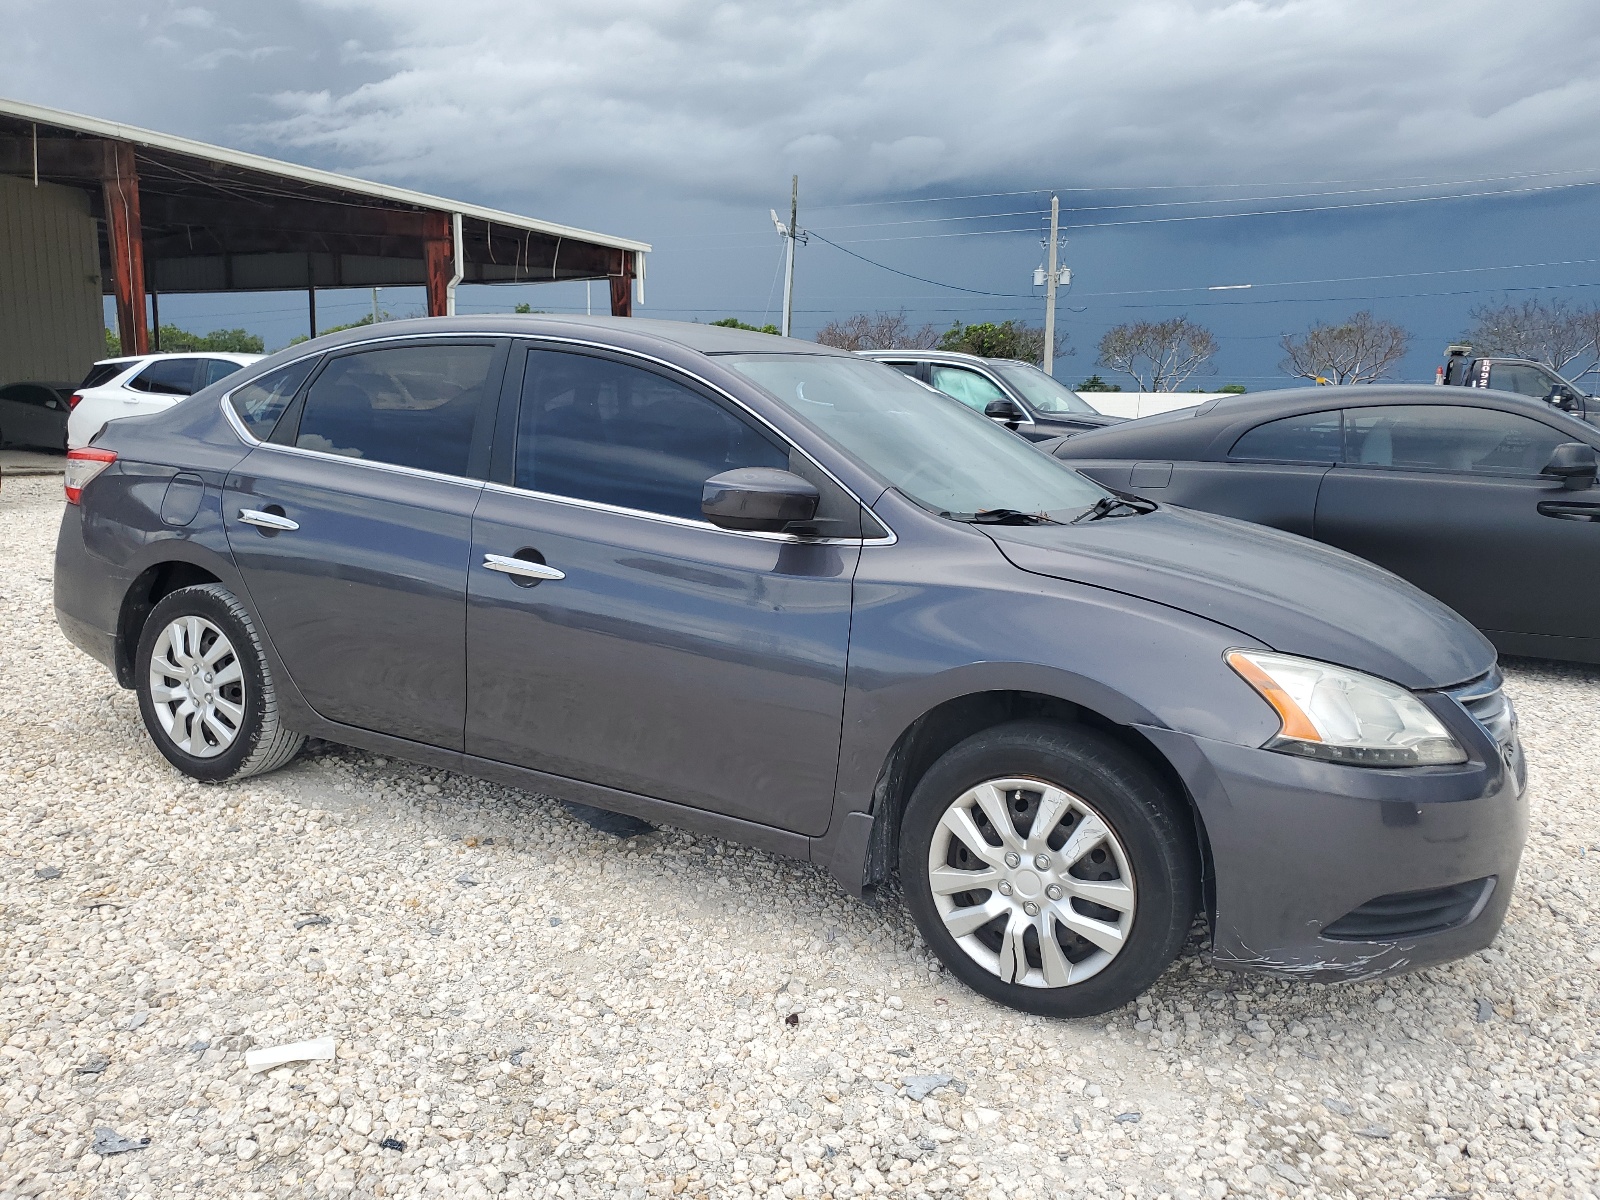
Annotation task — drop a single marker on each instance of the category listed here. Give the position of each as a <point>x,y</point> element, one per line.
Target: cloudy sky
<point>1415,158</point>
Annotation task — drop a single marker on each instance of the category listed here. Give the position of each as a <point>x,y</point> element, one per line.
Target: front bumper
<point>1297,845</point>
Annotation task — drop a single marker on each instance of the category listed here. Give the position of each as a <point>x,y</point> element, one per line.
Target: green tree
<point>1233,389</point>
<point>1008,339</point>
<point>735,323</point>
<point>366,320</point>
<point>113,344</point>
<point>179,341</point>
<point>1095,384</point>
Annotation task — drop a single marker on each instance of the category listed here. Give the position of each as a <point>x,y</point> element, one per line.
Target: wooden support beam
<point>119,184</point>
<point>439,253</point>
<point>622,288</point>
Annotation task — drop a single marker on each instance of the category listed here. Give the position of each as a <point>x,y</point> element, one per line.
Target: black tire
<point>1154,843</point>
<point>259,742</point>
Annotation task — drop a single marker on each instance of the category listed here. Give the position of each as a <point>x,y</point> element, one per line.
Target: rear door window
<point>1444,437</point>
<point>261,402</point>
<point>1307,438</point>
<point>170,377</point>
<point>594,429</point>
<point>217,368</point>
<point>409,406</point>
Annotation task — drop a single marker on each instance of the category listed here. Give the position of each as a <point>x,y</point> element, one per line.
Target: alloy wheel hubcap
<point>1031,882</point>
<point>197,687</point>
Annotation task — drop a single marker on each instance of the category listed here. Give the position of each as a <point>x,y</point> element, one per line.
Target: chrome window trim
<point>394,468</point>
<point>688,522</point>
<point>252,441</point>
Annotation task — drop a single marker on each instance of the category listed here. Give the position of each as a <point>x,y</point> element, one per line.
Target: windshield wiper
<point>1108,505</point>
<point>1009,516</point>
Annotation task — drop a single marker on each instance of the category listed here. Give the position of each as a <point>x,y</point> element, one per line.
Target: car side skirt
<point>557,787</point>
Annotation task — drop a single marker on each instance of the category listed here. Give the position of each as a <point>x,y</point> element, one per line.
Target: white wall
<point>1142,404</point>
<point>51,319</point>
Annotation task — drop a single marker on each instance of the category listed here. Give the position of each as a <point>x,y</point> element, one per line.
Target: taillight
<point>72,400</point>
<point>82,466</point>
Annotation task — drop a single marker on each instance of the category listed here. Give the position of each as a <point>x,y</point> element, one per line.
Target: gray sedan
<point>778,593</point>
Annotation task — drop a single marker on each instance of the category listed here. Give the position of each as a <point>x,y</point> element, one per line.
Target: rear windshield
<point>944,456</point>
<point>104,372</point>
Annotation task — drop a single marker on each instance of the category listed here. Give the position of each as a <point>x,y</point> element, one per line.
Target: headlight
<point>1343,716</point>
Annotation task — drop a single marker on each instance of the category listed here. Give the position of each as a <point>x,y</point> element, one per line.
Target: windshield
<point>1040,390</point>
<point>942,455</point>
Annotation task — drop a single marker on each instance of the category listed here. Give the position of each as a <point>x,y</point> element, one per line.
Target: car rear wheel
<point>205,688</point>
<point>1049,868</point>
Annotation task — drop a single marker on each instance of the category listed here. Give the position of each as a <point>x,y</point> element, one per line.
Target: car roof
<point>131,360</point>
<point>1208,431</point>
<point>953,356</point>
<point>44,383</point>
<point>621,331</point>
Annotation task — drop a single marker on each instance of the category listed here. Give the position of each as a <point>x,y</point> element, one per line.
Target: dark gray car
<point>1017,394</point>
<point>781,594</point>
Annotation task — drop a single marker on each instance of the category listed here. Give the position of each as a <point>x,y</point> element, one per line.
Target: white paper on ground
<point>319,1050</point>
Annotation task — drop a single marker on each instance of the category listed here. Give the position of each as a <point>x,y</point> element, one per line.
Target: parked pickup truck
<point>1520,375</point>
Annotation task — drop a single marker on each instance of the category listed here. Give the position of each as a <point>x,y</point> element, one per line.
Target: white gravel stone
<point>602,1018</point>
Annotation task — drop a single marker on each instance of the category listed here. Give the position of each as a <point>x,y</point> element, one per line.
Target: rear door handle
<point>527,569</point>
<point>1569,510</point>
<point>266,520</point>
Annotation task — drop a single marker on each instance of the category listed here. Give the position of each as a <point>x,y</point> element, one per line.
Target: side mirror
<point>1002,410</point>
<point>1574,464</point>
<point>760,499</point>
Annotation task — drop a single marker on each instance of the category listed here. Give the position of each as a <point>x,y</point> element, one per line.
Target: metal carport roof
<point>179,215</point>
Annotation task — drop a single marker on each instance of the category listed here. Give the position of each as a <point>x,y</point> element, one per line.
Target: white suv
<point>126,387</point>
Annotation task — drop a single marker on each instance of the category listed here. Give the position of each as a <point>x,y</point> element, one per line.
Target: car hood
<point>1080,420</point>
<point>1294,595</point>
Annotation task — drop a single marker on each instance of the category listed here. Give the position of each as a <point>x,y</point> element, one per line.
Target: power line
<point>919,278</point>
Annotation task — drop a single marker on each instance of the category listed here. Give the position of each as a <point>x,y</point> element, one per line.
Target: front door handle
<point>267,520</point>
<point>1569,510</point>
<point>527,569</point>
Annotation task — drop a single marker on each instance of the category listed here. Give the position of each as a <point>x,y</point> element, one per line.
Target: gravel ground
<point>524,1007</point>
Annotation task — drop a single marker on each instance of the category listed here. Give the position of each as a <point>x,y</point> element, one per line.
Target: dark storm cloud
<point>868,97</point>
<point>680,122</point>
<point>863,97</point>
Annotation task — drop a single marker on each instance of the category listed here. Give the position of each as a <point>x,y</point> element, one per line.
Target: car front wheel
<point>1049,868</point>
<point>206,690</point>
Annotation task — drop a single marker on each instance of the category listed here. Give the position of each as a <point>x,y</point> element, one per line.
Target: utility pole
<point>790,233</point>
<point>1051,276</point>
<point>374,306</point>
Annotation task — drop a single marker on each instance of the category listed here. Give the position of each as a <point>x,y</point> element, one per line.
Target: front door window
<point>594,429</point>
<point>1443,437</point>
<point>972,389</point>
<point>1523,379</point>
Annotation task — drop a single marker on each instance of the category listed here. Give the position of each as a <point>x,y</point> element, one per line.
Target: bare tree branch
<point>1159,355</point>
<point>878,331</point>
<point>1552,332</point>
<point>1360,350</point>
